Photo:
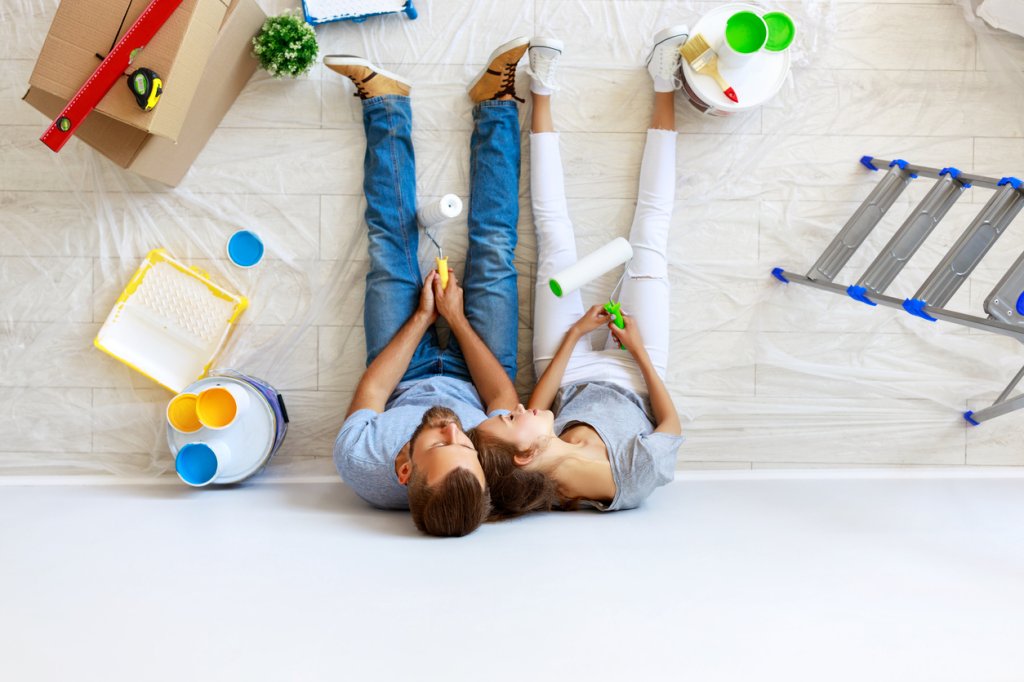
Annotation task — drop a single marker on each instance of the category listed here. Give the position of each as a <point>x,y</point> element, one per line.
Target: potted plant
<point>285,46</point>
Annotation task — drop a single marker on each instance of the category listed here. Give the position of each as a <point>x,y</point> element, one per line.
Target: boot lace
<point>508,83</point>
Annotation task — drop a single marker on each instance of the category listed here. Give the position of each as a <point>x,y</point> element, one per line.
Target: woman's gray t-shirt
<point>641,460</point>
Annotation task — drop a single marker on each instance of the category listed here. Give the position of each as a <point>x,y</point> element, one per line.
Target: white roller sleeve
<point>590,267</point>
<point>450,206</point>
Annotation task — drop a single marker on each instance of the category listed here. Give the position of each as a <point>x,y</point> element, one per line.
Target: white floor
<point>721,576</point>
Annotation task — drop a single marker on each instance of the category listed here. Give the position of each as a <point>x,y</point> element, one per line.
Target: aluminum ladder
<point>1004,305</point>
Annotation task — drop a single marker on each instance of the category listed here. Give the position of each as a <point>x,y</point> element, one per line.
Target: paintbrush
<point>704,60</point>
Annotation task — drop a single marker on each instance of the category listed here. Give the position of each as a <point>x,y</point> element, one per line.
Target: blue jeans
<point>393,282</point>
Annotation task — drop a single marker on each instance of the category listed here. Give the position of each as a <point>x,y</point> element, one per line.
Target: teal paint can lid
<point>245,248</point>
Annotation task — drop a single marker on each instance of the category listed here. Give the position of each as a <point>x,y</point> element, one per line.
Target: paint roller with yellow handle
<point>442,270</point>
<point>432,216</point>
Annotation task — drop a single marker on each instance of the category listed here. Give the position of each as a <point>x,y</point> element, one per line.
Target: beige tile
<point>30,166</point>
<point>343,227</point>
<point>999,156</point>
<point>997,441</point>
<point>48,421</point>
<point>43,223</point>
<point>55,354</point>
<point>14,74</point>
<point>45,289</point>
<point>874,36</point>
<point>342,357</point>
<point>814,429</point>
<point>713,363</point>
<point>268,102</point>
<point>898,102</point>
<point>316,417</point>
<point>285,356</point>
<point>130,421</point>
<point>939,367</point>
<point>24,28</point>
<point>296,162</point>
<point>799,167</point>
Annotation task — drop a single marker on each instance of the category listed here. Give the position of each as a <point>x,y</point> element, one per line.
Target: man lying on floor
<point>392,450</point>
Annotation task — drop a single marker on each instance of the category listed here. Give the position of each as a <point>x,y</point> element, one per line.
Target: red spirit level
<point>111,69</point>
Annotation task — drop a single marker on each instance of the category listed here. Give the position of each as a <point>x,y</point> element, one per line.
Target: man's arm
<point>386,370</point>
<point>496,390</point>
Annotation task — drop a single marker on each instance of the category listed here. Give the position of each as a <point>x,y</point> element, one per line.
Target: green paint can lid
<point>781,31</point>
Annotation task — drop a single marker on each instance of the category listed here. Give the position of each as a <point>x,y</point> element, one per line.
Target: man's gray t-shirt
<point>641,460</point>
<point>369,441</point>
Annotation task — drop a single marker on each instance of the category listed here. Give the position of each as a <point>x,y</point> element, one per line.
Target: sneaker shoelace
<point>361,91</point>
<point>508,83</point>
<point>543,68</point>
<point>668,60</point>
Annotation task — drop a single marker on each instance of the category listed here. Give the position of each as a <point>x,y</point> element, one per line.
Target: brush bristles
<point>694,49</point>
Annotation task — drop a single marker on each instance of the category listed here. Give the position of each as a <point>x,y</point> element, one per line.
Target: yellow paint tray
<point>170,322</point>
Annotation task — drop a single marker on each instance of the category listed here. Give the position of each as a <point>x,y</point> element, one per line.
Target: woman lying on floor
<point>600,428</point>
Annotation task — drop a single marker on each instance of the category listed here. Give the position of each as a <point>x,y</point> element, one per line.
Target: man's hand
<point>591,320</point>
<point>448,300</point>
<point>629,336</point>
<point>427,306</point>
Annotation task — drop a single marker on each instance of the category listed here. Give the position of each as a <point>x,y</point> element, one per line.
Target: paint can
<point>252,436</point>
<point>756,79</point>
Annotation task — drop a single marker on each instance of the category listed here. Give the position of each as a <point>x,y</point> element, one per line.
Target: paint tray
<point>170,322</point>
<point>323,11</point>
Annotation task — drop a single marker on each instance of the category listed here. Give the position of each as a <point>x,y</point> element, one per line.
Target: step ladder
<point>1004,305</point>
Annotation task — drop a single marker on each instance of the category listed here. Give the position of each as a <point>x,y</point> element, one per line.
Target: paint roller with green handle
<point>614,308</point>
<point>590,267</point>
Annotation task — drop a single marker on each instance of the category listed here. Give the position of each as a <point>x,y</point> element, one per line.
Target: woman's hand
<point>629,336</point>
<point>427,307</point>
<point>591,320</point>
<point>449,298</point>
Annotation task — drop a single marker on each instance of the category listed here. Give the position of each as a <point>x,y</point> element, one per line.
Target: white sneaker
<point>543,69</point>
<point>663,62</point>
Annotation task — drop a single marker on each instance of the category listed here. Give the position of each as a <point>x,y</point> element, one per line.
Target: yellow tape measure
<point>147,87</point>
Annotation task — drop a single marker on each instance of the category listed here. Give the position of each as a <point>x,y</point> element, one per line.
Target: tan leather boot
<point>498,78</point>
<point>370,81</point>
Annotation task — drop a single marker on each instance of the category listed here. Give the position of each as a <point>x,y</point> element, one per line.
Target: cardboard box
<point>203,53</point>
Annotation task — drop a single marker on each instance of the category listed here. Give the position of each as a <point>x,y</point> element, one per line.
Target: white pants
<point>645,288</point>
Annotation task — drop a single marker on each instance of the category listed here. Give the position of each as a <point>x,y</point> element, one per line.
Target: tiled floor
<point>763,375</point>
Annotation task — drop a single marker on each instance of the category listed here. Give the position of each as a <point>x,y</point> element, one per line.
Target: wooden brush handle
<point>712,70</point>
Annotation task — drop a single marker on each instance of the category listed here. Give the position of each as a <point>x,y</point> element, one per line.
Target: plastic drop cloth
<point>763,374</point>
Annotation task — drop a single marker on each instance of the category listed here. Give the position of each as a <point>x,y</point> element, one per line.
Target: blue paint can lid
<point>245,248</point>
<point>196,464</point>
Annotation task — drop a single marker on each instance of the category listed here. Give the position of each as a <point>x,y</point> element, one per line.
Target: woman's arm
<point>547,387</point>
<point>665,416</point>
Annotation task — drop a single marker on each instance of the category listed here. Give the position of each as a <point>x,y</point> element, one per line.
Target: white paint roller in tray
<point>590,267</point>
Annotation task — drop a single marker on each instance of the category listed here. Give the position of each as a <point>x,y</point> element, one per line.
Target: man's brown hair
<point>455,506</point>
